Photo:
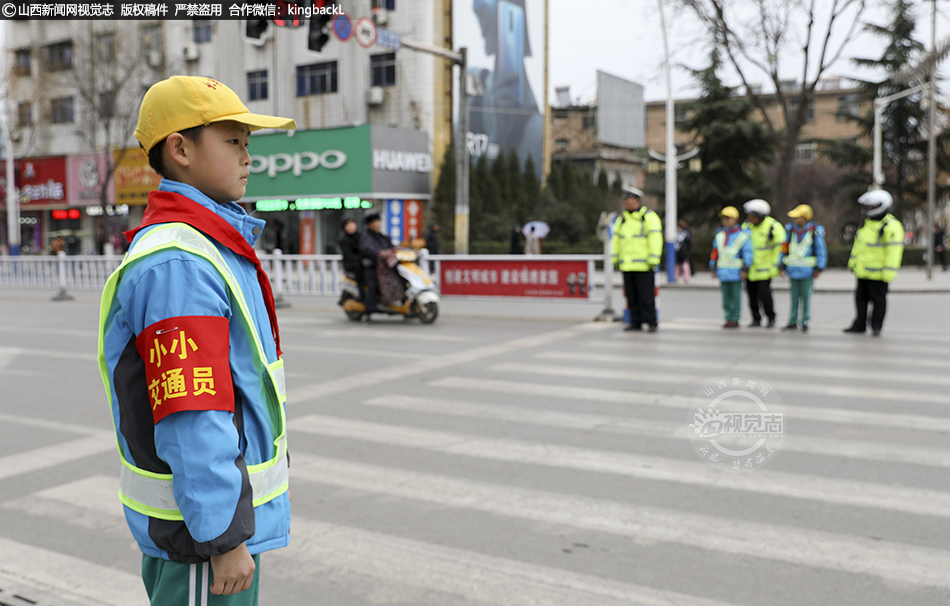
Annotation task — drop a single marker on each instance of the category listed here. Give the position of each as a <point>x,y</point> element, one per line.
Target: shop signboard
<point>133,177</point>
<point>86,176</point>
<point>506,278</point>
<point>401,161</point>
<point>43,181</point>
<point>403,220</point>
<point>334,162</point>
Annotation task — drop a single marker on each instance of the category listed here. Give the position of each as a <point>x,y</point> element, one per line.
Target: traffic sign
<point>365,32</point>
<point>387,38</point>
<point>342,27</point>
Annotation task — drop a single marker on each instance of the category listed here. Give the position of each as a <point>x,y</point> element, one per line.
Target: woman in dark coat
<point>349,242</point>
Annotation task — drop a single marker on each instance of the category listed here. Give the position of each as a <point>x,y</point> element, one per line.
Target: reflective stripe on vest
<point>151,493</point>
<point>797,250</point>
<point>731,258</point>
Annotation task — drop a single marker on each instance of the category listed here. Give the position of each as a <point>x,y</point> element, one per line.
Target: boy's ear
<point>178,149</point>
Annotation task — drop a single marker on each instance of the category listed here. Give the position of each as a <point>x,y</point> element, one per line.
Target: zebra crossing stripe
<point>334,553</point>
<point>57,454</point>
<point>836,491</point>
<point>648,378</point>
<point>852,449</point>
<point>893,562</point>
<point>402,371</point>
<point>73,578</point>
<point>596,394</point>
<point>747,367</point>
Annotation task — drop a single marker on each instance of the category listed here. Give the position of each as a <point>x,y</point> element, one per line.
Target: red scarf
<point>168,207</point>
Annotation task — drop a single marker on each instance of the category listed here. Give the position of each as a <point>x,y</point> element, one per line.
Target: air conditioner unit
<point>155,58</point>
<point>375,95</point>
<point>380,16</point>
<point>191,52</point>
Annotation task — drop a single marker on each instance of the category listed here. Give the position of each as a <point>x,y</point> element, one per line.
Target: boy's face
<point>729,222</point>
<point>800,221</point>
<point>220,166</point>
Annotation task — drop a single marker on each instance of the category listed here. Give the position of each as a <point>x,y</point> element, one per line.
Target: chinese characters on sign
<point>529,278</point>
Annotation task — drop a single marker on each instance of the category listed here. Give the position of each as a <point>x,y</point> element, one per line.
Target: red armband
<point>186,365</point>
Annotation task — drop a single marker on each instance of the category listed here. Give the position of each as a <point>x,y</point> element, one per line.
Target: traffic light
<point>318,36</point>
<point>255,28</point>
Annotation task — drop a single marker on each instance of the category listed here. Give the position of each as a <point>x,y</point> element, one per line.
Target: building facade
<point>74,89</point>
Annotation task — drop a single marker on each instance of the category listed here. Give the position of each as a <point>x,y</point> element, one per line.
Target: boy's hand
<point>233,571</point>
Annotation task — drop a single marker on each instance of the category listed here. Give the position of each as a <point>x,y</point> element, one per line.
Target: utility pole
<point>13,202</point>
<point>671,193</point>
<point>459,58</point>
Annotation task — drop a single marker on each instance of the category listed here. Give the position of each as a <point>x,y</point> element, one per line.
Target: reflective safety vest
<point>797,251</point>
<point>767,239</point>
<point>729,255</point>
<point>878,249</point>
<point>151,493</point>
<point>638,240</point>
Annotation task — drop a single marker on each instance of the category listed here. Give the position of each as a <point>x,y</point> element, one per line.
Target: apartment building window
<point>590,118</point>
<point>389,5</point>
<point>805,153</point>
<point>679,114</point>
<point>107,105</point>
<point>793,103</point>
<point>383,69</point>
<point>59,56</point>
<point>105,47</point>
<point>63,110</point>
<point>24,113</point>
<point>849,106</point>
<point>562,143</point>
<point>23,59</point>
<point>153,45</point>
<point>257,85</point>
<point>201,30</point>
<point>316,78</point>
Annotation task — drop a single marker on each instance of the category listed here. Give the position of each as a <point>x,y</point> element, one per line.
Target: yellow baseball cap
<point>729,211</point>
<point>802,210</point>
<point>183,102</point>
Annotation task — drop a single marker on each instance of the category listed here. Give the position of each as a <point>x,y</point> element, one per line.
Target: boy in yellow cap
<point>804,257</point>
<point>189,352</point>
<point>730,260</point>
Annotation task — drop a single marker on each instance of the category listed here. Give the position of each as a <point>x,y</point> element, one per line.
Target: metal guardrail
<point>289,274</point>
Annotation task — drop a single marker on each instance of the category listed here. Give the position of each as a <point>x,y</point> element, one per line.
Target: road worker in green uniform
<point>768,236</point>
<point>875,258</point>
<point>637,246</point>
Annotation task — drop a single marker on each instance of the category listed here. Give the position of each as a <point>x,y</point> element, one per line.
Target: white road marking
<point>401,371</point>
<point>835,447</point>
<point>824,415</point>
<point>906,565</point>
<point>836,491</point>
<point>57,454</point>
<point>73,578</point>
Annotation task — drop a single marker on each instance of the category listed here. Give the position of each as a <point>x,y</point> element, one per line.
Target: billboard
<point>133,178</point>
<point>505,41</point>
<point>620,112</point>
<point>86,176</point>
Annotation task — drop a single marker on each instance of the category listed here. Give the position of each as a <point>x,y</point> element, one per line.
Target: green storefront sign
<point>318,163</point>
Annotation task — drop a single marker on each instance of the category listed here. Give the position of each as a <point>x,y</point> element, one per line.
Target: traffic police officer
<point>637,245</point>
<point>875,259</point>
<point>768,236</point>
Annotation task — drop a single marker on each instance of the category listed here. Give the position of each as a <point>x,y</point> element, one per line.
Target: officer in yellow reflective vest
<point>637,245</point>
<point>768,236</point>
<point>875,258</point>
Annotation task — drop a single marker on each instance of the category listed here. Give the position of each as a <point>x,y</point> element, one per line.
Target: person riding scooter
<point>372,242</point>
<point>349,243</point>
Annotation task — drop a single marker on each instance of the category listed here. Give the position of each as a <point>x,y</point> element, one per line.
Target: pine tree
<point>904,124</point>
<point>443,199</point>
<point>733,147</point>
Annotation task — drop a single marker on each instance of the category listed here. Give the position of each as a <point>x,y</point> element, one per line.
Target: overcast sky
<point>624,38</point>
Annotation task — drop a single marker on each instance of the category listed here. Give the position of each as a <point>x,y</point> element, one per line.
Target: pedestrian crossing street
<point>492,462</point>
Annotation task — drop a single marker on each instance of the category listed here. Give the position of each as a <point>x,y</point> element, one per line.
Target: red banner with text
<point>528,278</point>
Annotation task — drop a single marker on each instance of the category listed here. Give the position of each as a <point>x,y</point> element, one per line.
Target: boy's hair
<point>155,158</point>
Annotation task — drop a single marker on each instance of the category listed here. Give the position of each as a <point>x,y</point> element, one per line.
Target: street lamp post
<point>670,231</point>
<point>13,203</point>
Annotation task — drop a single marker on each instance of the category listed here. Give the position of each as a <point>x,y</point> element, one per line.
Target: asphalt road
<point>516,454</point>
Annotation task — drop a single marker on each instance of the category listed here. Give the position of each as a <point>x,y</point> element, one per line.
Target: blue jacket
<point>731,274</point>
<point>818,249</point>
<point>206,451</point>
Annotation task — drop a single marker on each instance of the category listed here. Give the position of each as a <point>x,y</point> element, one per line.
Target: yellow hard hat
<point>802,210</point>
<point>729,211</point>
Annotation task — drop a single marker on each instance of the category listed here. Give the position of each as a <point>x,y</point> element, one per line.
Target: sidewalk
<point>909,279</point>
